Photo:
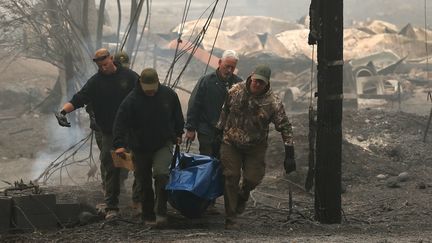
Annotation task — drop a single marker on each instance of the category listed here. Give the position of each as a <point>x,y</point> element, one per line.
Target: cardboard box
<point>125,162</point>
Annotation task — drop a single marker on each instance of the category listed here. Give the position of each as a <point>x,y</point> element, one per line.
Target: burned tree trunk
<point>329,119</point>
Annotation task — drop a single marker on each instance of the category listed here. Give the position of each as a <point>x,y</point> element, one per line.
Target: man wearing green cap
<point>244,125</point>
<point>104,91</point>
<point>122,58</point>
<point>149,121</point>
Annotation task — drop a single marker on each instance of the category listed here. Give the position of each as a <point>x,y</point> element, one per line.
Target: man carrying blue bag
<point>149,121</point>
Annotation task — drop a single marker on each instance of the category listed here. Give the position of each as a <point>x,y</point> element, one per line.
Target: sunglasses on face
<point>101,58</point>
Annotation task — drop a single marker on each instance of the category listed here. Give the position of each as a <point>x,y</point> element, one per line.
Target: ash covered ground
<point>384,208</point>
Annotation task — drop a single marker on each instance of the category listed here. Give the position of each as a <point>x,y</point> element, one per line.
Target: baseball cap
<point>149,79</point>
<point>262,72</point>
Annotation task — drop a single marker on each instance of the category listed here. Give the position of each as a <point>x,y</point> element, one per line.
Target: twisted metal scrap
<point>69,159</point>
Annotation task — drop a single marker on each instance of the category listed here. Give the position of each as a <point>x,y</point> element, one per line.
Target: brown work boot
<point>243,197</point>
<point>149,220</point>
<point>101,208</point>
<point>161,221</point>
<point>136,206</point>
<point>231,224</point>
<point>212,209</point>
<point>110,214</point>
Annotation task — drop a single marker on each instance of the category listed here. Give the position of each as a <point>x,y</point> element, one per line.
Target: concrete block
<point>31,212</point>
<point>5,213</point>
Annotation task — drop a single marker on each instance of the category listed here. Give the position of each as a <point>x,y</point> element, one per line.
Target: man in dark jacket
<point>151,119</point>
<point>123,59</point>
<point>120,58</point>
<point>105,91</point>
<point>206,102</point>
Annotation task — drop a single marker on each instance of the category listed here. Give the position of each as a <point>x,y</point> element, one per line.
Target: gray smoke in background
<point>399,12</point>
<point>62,139</point>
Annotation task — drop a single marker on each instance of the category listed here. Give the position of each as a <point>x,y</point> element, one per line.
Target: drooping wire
<point>146,46</point>
<point>186,48</point>
<point>179,40</point>
<point>194,48</point>
<point>142,32</point>
<point>184,16</point>
<point>125,37</point>
<point>118,24</point>
<point>194,45</point>
<point>426,40</point>
<point>68,159</point>
<point>197,21</point>
<point>217,33</point>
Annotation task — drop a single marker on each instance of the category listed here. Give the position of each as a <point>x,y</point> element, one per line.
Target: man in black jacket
<point>120,58</point>
<point>149,121</point>
<point>206,100</point>
<point>105,91</point>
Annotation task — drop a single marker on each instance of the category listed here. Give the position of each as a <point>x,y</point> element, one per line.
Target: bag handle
<point>176,156</point>
<point>188,145</point>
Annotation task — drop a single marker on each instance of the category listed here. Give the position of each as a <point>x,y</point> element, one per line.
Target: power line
<point>142,33</point>
<point>125,37</point>
<point>118,23</point>
<point>217,33</point>
<point>426,40</point>
<point>180,33</point>
<point>191,47</point>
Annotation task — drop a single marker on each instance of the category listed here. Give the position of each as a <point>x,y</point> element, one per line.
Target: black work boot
<point>148,219</point>
<point>161,200</point>
<point>243,197</point>
<point>147,205</point>
<point>231,224</point>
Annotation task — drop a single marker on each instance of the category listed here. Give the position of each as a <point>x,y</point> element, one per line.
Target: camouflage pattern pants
<point>148,166</point>
<point>246,164</point>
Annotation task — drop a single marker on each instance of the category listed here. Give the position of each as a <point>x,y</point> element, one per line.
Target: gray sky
<point>399,12</point>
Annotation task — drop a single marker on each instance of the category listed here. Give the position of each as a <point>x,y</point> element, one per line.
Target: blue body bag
<point>194,181</point>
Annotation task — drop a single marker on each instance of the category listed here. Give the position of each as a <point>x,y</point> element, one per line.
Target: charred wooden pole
<point>327,30</point>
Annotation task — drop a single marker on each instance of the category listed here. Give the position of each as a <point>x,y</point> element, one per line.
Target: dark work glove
<point>289,162</point>
<point>312,38</point>
<point>61,118</point>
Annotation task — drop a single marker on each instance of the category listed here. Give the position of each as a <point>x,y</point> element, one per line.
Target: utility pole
<point>328,170</point>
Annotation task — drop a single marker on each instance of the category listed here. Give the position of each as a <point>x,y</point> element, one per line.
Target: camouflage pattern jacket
<point>245,118</point>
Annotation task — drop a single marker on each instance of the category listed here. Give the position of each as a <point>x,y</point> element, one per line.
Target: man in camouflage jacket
<point>244,125</point>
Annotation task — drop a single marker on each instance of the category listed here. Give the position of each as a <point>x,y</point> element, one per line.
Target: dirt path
<point>380,210</point>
